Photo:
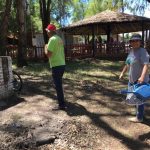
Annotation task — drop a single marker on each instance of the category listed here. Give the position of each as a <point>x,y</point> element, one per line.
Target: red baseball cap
<point>51,27</point>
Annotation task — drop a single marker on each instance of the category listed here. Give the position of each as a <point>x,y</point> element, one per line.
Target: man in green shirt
<point>55,53</point>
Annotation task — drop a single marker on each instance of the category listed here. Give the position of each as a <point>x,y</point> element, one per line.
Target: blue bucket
<point>142,91</point>
<point>137,94</point>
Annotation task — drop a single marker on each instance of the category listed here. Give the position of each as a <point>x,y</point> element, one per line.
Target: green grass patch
<point>88,69</point>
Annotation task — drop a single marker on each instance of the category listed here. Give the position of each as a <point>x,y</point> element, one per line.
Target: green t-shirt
<point>55,45</point>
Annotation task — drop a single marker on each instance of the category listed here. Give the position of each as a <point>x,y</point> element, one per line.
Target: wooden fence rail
<point>31,53</point>
<point>111,50</point>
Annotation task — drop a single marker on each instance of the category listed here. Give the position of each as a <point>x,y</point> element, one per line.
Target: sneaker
<point>133,100</point>
<point>62,107</point>
<point>135,119</point>
<point>59,108</point>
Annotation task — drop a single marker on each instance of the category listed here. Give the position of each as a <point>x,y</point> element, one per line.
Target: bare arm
<point>144,71</point>
<point>123,71</point>
<point>45,49</point>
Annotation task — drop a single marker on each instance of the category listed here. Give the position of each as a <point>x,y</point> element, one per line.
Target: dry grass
<point>96,117</point>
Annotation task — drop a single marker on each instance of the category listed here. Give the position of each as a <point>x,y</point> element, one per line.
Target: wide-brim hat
<point>136,37</point>
<point>51,27</point>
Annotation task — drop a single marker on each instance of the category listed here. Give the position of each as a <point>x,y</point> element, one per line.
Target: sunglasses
<point>134,40</point>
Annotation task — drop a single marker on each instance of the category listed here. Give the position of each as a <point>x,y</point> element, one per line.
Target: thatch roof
<point>115,22</point>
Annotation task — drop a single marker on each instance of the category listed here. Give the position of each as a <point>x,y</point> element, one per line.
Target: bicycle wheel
<point>17,82</point>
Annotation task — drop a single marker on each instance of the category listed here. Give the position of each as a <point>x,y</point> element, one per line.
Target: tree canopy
<point>137,7</point>
<point>60,11</point>
<point>81,9</point>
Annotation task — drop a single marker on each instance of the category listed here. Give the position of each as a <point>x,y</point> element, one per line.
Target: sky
<point>142,3</point>
<point>147,13</point>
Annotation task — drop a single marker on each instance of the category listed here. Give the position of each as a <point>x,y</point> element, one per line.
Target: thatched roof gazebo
<point>107,23</point>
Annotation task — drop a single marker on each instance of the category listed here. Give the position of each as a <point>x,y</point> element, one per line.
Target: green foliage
<point>1,9</point>
<point>78,10</point>
<point>137,7</point>
<point>33,18</point>
<point>34,21</point>
<point>12,26</point>
<point>60,11</point>
<point>96,6</point>
<point>2,4</point>
<point>82,9</point>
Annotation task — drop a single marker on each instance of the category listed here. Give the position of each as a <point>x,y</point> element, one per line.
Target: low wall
<point>6,77</point>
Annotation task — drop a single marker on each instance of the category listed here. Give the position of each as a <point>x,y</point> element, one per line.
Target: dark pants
<point>140,111</point>
<point>57,74</point>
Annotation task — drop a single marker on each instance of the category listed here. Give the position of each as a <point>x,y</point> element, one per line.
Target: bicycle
<point>17,82</point>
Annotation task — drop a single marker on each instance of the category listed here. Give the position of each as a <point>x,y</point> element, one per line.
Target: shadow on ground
<point>10,102</point>
<point>79,110</point>
<point>107,98</point>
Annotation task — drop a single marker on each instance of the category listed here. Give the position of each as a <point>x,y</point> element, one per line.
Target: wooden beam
<point>108,33</point>
<point>142,33</point>
<point>93,41</point>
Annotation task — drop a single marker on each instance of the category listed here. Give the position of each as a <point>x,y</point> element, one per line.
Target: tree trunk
<point>122,3</point>
<point>21,17</point>
<point>4,27</point>
<point>45,15</point>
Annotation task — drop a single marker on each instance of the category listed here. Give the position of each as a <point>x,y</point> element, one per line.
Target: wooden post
<point>88,38</point>
<point>142,33</point>
<point>93,41</point>
<point>108,33</point>
<point>146,35</point>
<point>66,44</point>
<point>108,38</point>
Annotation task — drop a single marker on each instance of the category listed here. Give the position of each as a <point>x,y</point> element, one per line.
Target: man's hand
<point>49,54</point>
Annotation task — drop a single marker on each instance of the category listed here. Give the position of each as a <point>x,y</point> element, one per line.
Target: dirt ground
<point>96,118</point>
